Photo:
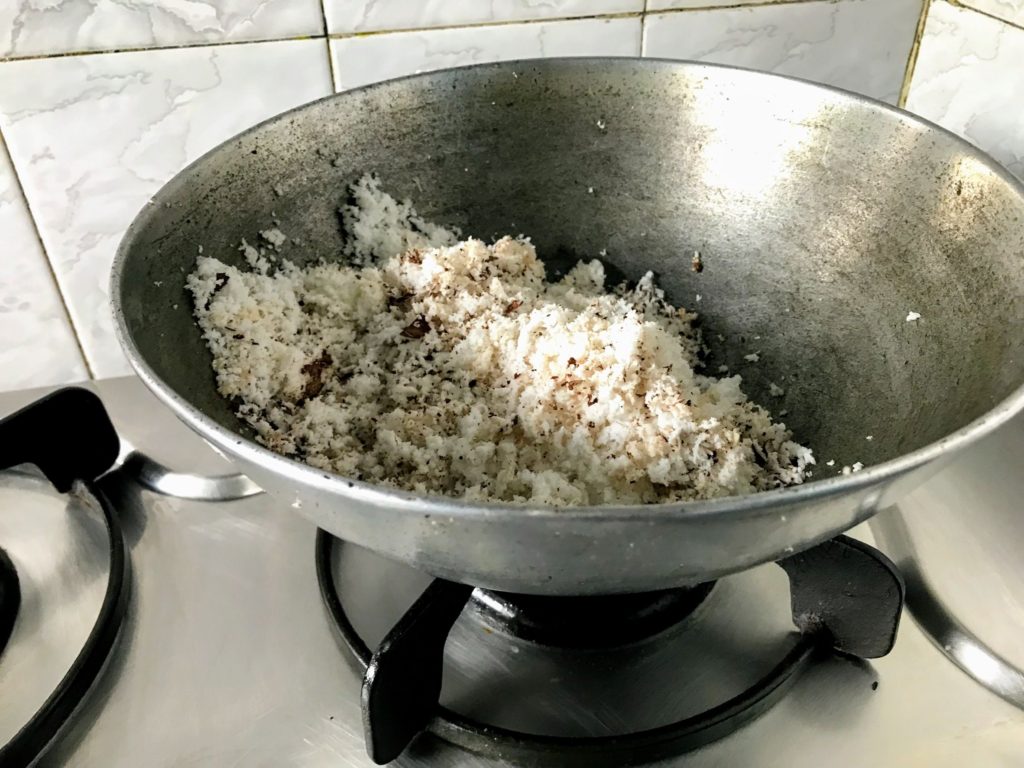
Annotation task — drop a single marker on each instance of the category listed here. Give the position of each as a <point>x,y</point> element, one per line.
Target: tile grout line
<point>728,6</point>
<point>142,49</point>
<point>643,29</point>
<point>515,23</point>
<point>915,49</point>
<point>340,35</point>
<point>327,43</point>
<point>963,6</point>
<point>46,257</point>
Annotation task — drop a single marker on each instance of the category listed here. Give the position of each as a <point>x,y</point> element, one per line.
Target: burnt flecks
<point>401,301</point>
<point>417,329</point>
<point>219,281</point>
<point>314,371</point>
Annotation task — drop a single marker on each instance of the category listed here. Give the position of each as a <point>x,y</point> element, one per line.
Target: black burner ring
<point>10,599</point>
<point>602,621</point>
<point>70,437</point>
<point>402,678</point>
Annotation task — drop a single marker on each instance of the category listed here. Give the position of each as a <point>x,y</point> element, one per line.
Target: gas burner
<point>846,599</point>
<point>57,627</point>
<point>587,622</point>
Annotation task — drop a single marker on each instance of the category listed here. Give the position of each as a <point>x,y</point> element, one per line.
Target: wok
<point>823,219</point>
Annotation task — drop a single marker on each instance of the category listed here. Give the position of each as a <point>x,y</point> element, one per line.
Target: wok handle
<point>156,477</point>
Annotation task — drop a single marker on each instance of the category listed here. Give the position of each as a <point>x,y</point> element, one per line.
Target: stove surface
<point>227,656</point>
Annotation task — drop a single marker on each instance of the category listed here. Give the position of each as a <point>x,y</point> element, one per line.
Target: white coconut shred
<point>454,367</point>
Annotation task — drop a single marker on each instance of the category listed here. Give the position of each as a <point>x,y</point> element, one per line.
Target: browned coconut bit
<point>315,370</point>
<point>417,329</point>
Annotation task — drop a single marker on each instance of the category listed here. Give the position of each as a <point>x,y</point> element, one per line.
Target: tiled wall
<point>101,102</point>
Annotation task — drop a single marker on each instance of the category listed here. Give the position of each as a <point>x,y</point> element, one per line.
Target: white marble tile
<point>93,137</point>
<point>1007,10</point>
<point>42,27</point>
<point>345,16</point>
<point>969,78</point>
<point>367,59</point>
<point>860,45</point>
<point>37,346</point>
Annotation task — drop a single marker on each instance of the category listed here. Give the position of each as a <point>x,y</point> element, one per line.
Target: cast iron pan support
<point>68,435</point>
<point>846,598</point>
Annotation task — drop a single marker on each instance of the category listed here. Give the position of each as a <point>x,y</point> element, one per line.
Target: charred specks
<point>697,263</point>
<point>219,281</point>
<point>759,457</point>
<point>315,371</point>
<point>959,188</point>
<point>417,329</point>
<point>414,257</point>
<point>513,306</point>
<point>402,300</point>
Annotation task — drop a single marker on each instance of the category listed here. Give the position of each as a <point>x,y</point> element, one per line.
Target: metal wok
<point>823,219</point>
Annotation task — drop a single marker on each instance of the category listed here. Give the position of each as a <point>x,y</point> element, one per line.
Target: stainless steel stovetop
<point>227,656</point>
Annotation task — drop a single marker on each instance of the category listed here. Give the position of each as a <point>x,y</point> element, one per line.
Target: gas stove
<point>170,614</point>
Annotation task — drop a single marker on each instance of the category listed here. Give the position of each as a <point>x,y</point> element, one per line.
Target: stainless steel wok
<point>823,219</point>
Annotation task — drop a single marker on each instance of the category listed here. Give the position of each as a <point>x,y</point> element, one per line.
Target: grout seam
<point>727,6</point>
<point>507,23</point>
<point>46,257</point>
<point>987,14</point>
<point>915,49</point>
<point>333,36</point>
<point>327,44</point>
<point>141,49</point>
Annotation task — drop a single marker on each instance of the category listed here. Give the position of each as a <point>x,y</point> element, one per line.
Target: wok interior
<point>822,220</point>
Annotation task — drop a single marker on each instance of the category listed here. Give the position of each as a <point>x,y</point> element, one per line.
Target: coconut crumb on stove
<point>912,316</point>
<point>869,437</point>
<point>753,357</point>
<point>456,368</point>
<point>830,463</point>
<point>775,390</point>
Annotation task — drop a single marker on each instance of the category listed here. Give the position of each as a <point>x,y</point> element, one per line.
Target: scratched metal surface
<point>227,658</point>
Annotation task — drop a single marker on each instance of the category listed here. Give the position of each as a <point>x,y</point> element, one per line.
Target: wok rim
<point>758,503</point>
